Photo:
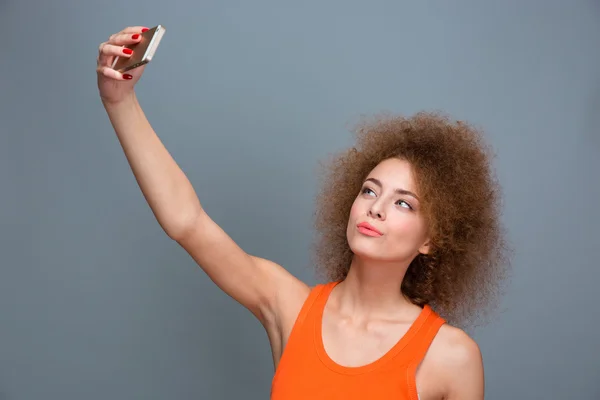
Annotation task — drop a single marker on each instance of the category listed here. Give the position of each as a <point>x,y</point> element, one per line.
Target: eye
<point>366,190</point>
<point>406,205</point>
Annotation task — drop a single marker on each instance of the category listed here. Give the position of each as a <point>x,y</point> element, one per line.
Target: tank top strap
<point>324,290</point>
<point>421,344</point>
<point>300,338</point>
<point>316,295</point>
<point>427,333</point>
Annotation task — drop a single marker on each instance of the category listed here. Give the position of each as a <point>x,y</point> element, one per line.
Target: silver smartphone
<point>143,51</point>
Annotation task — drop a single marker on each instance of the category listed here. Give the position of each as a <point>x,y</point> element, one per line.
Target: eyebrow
<point>399,191</point>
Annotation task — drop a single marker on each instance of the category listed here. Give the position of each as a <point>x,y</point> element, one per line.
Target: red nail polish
<point>145,30</point>
<point>127,51</point>
<point>135,36</point>
<point>127,76</point>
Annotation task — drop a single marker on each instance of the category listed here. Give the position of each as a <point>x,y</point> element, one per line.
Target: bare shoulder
<point>455,348</point>
<point>455,359</point>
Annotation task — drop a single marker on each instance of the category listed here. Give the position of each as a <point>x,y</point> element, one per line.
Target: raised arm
<point>254,282</point>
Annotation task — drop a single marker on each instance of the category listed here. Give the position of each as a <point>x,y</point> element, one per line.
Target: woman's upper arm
<point>254,282</point>
<point>464,368</point>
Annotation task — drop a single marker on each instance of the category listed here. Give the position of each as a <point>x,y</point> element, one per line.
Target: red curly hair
<point>460,277</point>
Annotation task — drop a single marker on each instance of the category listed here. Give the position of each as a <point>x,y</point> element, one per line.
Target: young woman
<point>409,223</point>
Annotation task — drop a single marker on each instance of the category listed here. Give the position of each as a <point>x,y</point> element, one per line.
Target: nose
<point>376,211</point>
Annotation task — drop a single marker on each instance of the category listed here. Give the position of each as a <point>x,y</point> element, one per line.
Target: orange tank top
<point>305,371</point>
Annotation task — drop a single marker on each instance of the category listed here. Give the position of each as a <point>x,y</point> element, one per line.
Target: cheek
<point>407,229</point>
<point>355,210</point>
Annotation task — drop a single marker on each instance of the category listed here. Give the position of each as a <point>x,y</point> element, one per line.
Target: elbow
<point>182,226</point>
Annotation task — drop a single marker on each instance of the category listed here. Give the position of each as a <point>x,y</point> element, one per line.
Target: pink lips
<point>367,229</point>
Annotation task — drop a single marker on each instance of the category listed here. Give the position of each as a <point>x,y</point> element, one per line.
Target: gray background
<point>96,302</point>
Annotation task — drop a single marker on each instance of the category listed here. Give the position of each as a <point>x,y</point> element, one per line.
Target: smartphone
<point>143,51</point>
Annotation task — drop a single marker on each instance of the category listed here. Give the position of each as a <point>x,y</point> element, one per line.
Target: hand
<point>113,85</point>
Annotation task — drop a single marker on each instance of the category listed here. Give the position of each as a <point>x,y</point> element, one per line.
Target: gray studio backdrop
<point>96,302</point>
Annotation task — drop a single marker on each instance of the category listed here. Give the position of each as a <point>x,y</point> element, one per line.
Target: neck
<point>373,288</point>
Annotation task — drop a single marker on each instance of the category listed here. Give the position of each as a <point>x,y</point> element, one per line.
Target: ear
<point>425,248</point>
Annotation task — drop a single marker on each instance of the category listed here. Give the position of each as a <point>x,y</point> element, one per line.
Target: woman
<point>409,222</point>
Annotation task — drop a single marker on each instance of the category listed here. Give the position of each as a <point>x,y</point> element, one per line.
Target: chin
<point>365,248</point>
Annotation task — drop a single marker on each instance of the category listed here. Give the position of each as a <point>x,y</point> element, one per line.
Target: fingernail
<point>127,76</point>
<point>135,36</point>
<point>127,51</point>
<point>145,30</point>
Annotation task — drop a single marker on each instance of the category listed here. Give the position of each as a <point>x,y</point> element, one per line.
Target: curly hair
<point>460,277</point>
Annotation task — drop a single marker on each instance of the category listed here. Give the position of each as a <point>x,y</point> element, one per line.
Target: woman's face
<point>386,222</point>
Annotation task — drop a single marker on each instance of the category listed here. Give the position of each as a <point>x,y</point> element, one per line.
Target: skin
<point>365,314</point>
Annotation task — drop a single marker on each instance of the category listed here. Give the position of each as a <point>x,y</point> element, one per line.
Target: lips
<point>368,229</point>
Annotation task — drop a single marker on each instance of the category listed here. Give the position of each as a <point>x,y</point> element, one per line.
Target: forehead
<point>394,172</point>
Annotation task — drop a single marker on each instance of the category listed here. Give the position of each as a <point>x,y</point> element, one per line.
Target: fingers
<point>111,73</point>
<point>107,50</point>
<point>115,47</point>
<point>134,29</point>
<point>129,31</point>
<point>107,53</point>
<point>124,39</point>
